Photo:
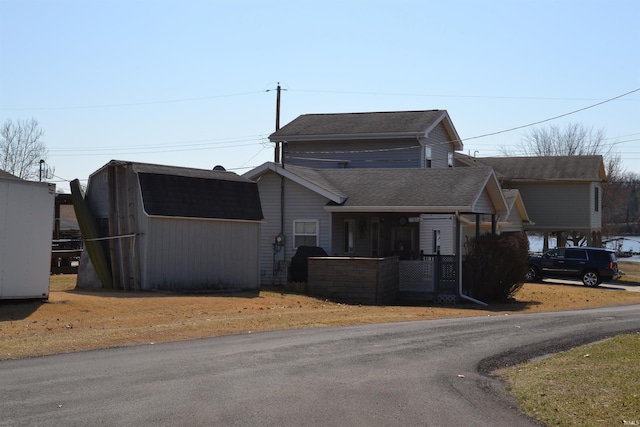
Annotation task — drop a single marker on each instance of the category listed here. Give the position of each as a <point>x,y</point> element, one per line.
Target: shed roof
<point>537,168</point>
<point>373,125</point>
<point>4,174</point>
<point>196,193</point>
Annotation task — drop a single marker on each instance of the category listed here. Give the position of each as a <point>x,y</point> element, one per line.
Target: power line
<point>555,117</point>
<point>129,104</point>
<point>533,98</point>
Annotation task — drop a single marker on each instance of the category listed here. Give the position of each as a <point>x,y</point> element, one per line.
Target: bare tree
<point>575,139</point>
<point>22,150</point>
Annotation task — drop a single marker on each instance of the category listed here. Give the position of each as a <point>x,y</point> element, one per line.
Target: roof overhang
<point>270,167</point>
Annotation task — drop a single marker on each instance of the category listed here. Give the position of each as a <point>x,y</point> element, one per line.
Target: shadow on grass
<point>113,293</point>
<point>18,309</point>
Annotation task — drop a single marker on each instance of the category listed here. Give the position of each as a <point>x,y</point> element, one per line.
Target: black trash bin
<point>299,263</point>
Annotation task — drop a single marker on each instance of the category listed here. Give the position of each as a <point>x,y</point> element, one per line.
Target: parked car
<point>591,265</point>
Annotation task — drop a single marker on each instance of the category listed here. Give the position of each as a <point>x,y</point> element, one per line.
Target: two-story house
<point>370,185</point>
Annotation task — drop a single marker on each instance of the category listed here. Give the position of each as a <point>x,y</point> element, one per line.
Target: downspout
<point>459,255</point>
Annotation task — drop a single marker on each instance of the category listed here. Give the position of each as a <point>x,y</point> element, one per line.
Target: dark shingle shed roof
<point>197,193</point>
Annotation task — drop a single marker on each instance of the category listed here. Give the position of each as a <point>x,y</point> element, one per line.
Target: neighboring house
<point>371,185</point>
<point>515,221</point>
<point>173,228</point>
<point>26,221</point>
<point>562,194</point>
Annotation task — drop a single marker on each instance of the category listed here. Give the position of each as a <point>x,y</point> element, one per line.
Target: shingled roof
<point>550,168</point>
<point>398,190</point>
<point>196,193</point>
<point>343,126</point>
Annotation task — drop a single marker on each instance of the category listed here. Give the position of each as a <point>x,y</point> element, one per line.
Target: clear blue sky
<point>190,83</point>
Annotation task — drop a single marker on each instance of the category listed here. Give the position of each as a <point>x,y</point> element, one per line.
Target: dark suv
<point>591,265</point>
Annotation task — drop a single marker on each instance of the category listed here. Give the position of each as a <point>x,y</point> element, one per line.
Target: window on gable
<point>427,156</point>
<point>305,232</point>
<point>450,160</point>
<point>597,199</point>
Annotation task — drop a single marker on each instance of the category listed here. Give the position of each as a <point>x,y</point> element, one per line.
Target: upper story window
<point>427,156</point>
<point>305,232</point>
<point>597,199</point>
<point>450,160</point>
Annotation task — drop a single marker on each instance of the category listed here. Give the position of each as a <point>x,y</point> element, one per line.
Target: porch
<point>384,281</point>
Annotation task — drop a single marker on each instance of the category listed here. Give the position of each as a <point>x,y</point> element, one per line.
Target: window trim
<point>316,234</point>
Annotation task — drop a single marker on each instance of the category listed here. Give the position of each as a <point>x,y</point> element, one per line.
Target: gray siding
<point>440,145</point>
<point>300,203</point>
<point>557,206</point>
<point>446,225</point>
<point>97,194</point>
<point>400,153</point>
<point>188,254</point>
<point>484,205</point>
<point>357,154</point>
<point>269,188</point>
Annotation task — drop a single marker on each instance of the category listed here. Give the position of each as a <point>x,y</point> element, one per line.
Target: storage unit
<point>173,228</point>
<point>26,224</point>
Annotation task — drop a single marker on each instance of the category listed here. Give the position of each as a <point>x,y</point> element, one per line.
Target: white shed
<point>26,221</point>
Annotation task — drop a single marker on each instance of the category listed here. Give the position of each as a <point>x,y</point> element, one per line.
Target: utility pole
<point>276,157</point>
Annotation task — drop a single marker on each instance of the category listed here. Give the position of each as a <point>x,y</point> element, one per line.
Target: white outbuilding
<point>26,221</point>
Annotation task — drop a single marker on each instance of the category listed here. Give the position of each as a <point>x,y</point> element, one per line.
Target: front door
<point>403,242</point>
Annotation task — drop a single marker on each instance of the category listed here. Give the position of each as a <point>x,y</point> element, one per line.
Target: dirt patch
<point>74,320</point>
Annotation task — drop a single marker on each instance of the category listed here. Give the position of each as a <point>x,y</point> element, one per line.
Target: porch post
<point>477,225</point>
<point>494,224</point>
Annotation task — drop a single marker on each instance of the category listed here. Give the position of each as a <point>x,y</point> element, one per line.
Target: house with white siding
<point>172,228</point>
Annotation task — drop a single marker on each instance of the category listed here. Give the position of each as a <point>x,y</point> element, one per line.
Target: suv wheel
<point>591,278</point>
<point>532,274</point>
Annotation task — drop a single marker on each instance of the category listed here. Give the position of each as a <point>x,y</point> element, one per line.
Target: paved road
<point>426,373</point>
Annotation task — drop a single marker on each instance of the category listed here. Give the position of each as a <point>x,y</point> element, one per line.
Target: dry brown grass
<point>74,320</point>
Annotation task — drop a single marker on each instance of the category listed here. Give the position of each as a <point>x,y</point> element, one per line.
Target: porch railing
<point>434,274</point>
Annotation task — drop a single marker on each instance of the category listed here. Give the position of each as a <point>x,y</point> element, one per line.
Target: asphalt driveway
<point>428,373</point>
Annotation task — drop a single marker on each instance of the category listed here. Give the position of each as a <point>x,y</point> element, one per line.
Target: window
<point>436,241</point>
<point>597,199</point>
<point>450,160</point>
<point>575,254</point>
<point>305,232</point>
<point>427,156</point>
<point>349,229</point>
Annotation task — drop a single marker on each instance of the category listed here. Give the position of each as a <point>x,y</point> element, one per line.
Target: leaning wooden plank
<point>89,231</point>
